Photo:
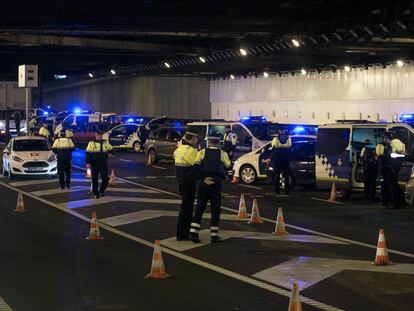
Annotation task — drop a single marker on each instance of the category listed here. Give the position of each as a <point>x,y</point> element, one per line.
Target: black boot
<point>215,239</point>
<point>195,238</point>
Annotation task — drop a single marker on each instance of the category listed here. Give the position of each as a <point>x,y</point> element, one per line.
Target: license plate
<point>35,169</point>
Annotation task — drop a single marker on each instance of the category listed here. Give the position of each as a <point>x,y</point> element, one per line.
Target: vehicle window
<point>31,145</point>
<point>69,120</point>
<point>162,134</point>
<point>243,137</point>
<point>130,129</point>
<point>216,130</point>
<point>303,151</point>
<point>120,130</point>
<point>361,135</point>
<point>406,137</point>
<point>332,141</point>
<point>174,135</point>
<point>82,120</point>
<point>263,131</point>
<point>200,130</point>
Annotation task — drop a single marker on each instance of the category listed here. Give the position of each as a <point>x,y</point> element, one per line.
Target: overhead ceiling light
<point>347,68</point>
<point>202,59</point>
<point>265,74</point>
<point>167,65</point>
<point>243,52</point>
<point>90,75</point>
<point>113,72</point>
<point>295,42</point>
<point>400,63</point>
<point>232,77</point>
<point>303,71</point>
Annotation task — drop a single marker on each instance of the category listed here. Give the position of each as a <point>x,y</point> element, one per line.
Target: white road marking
<point>4,306</point>
<point>47,181</point>
<point>109,199</point>
<point>134,217</point>
<point>132,177</point>
<point>125,160</point>
<point>159,167</point>
<point>59,191</point>
<point>308,271</point>
<point>249,186</point>
<point>327,201</point>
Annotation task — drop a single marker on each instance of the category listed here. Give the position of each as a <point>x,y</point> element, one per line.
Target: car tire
<point>137,147</point>
<point>248,174</point>
<point>10,174</point>
<point>292,182</point>
<point>153,156</point>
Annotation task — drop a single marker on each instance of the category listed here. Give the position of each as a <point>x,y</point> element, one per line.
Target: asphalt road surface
<point>47,264</point>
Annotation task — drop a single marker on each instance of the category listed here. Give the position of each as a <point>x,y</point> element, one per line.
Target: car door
<point>131,135</point>
<point>303,162</point>
<point>173,138</point>
<point>407,137</point>
<point>117,136</point>
<point>161,143</point>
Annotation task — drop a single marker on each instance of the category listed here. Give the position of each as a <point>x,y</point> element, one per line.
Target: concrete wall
<point>181,97</point>
<point>11,96</point>
<point>373,94</point>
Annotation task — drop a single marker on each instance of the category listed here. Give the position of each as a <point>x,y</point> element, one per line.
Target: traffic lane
<point>72,273</point>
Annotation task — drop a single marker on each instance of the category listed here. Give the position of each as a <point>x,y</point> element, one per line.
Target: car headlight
<point>51,158</point>
<point>1,124</point>
<point>17,159</point>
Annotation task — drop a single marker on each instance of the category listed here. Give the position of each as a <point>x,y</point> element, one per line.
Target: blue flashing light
<point>77,110</point>
<point>45,113</point>
<point>246,118</point>
<point>407,116</point>
<point>299,129</point>
<point>140,120</point>
<point>130,120</point>
<point>263,118</point>
<point>48,107</point>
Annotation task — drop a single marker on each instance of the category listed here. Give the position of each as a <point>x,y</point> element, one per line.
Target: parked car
<point>29,156</point>
<point>128,136</point>
<point>162,142</point>
<point>409,189</point>
<point>253,166</point>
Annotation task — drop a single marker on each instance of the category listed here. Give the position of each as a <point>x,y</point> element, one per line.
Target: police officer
<point>44,131</point>
<point>210,163</point>
<point>369,163</point>
<point>184,158</point>
<point>97,159</point>
<point>63,147</point>
<point>281,145</point>
<point>229,142</point>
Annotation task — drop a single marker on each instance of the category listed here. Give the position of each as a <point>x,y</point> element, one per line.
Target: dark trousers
<point>210,193</point>
<point>64,168</point>
<point>370,177</point>
<point>185,216</point>
<point>284,169</point>
<point>102,170</point>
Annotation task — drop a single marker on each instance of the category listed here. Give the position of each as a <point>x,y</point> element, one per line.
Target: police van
<point>128,137</point>
<point>338,148</point>
<point>252,132</point>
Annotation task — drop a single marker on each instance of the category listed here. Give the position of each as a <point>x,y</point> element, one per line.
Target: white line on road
<point>159,167</point>
<point>47,181</point>
<point>125,160</point>
<point>4,306</point>
<point>249,186</point>
<point>206,265</point>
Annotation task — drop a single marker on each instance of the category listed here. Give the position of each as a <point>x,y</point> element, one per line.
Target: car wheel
<point>292,181</point>
<point>152,154</point>
<point>137,146</point>
<point>248,174</point>
<point>11,176</point>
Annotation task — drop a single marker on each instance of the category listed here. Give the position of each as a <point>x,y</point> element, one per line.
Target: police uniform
<point>389,167</point>
<point>69,133</point>
<point>184,158</point>
<point>281,145</point>
<point>370,171</point>
<point>97,157</point>
<point>210,163</point>
<point>44,131</point>
<point>229,144</point>
<point>63,147</point>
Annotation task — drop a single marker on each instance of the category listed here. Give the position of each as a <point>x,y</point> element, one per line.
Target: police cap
<point>189,135</point>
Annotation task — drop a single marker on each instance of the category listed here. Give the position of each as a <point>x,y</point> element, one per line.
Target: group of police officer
<point>384,161</point>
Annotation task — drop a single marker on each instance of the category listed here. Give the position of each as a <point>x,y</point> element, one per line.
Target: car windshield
<point>263,131</point>
<point>31,145</point>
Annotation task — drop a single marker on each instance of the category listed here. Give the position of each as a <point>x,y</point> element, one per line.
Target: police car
<point>29,156</point>
<point>128,137</point>
<point>252,166</point>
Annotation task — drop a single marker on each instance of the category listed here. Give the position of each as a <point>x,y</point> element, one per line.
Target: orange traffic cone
<point>242,214</point>
<point>88,172</point>
<point>333,193</point>
<point>235,180</point>
<point>94,233</point>
<point>381,259</point>
<point>255,216</point>
<point>20,204</point>
<point>294,303</point>
<point>112,179</point>
<point>157,266</point>
<point>280,228</point>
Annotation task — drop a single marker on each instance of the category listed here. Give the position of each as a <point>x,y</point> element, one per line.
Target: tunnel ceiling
<point>166,37</point>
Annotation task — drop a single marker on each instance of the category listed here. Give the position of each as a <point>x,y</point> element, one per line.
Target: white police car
<point>252,166</point>
<point>128,136</point>
<point>29,156</point>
